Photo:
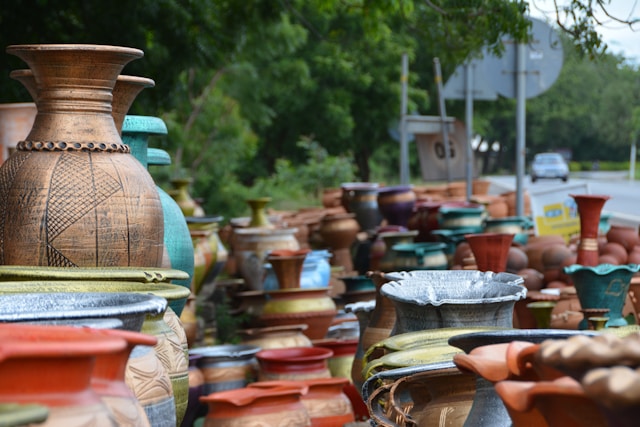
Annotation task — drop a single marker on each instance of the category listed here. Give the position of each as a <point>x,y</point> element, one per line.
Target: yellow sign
<point>555,212</point>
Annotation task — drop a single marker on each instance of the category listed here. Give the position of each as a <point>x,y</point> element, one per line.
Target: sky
<point>620,38</point>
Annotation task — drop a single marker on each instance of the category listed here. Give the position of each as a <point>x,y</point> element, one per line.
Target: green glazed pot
<point>103,275</point>
<point>603,286</point>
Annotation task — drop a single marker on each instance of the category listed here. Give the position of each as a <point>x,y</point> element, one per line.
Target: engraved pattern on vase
<point>296,418</point>
<point>148,379</point>
<point>71,202</point>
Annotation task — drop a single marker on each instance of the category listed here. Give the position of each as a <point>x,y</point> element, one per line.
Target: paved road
<point>624,204</point>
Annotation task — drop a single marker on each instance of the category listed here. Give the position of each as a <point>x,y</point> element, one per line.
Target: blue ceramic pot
<point>603,286</point>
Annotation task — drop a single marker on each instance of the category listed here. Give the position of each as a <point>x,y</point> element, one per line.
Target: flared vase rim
<point>601,269</point>
<point>53,47</point>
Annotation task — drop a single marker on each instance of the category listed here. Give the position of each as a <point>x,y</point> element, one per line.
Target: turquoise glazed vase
<point>177,240</point>
<point>603,286</point>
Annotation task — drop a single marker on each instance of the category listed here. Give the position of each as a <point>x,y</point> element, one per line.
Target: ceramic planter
<point>361,199</point>
<point>396,203</point>
<point>419,256</point>
<point>313,307</point>
<point>276,336</point>
<point>67,356</point>
<point>250,406</point>
<point>603,286</point>
<point>440,299</point>
<point>490,250</point>
<point>226,367</point>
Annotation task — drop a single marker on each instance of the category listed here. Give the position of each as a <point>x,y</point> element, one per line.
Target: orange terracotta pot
<point>490,250</point>
<point>325,400</point>
<point>252,406</point>
<point>52,366</point>
<point>108,379</point>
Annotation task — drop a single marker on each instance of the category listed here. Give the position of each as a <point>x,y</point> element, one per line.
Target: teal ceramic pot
<point>136,131</point>
<point>603,286</point>
<point>455,217</point>
<point>516,225</point>
<point>420,256</point>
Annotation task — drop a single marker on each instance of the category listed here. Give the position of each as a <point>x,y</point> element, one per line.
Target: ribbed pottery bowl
<point>427,299</point>
<point>131,309</point>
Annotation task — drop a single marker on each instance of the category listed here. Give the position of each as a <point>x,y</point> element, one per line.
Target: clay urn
<point>624,235</point>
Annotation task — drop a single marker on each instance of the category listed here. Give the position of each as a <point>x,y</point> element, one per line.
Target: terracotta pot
<point>226,367</point>
<point>96,150</point>
<point>287,265</point>
<point>425,219</point>
<point>363,311</point>
<point>16,120</point>
<point>338,232</point>
<point>325,400</point>
<point>383,317</point>
<point>313,307</point>
<point>490,250</point>
<point>108,379</point>
<point>283,336</point>
<point>67,355</point>
<point>331,197</point>
<point>589,209</point>
<point>252,406</point>
<point>125,91</point>
<point>251,247</point>
<point>623,235</point>
<point>480,186</point>
<point>551,399</point>
<point>294,363</point>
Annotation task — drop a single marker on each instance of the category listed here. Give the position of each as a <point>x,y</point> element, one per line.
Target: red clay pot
<point>294,363</point>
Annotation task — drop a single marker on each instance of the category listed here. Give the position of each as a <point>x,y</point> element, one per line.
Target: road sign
<point>543,62</point>
<point>455,88</point>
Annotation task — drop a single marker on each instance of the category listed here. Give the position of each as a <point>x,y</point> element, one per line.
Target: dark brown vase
<point>91,202</point>
<point>125,91</point>
<point>589,209</point>
<point>338,232</point>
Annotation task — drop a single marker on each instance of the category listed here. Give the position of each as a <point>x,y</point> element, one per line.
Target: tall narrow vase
<point>91,202</point>
<point>589,209</point>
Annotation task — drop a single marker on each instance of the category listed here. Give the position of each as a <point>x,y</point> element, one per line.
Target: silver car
<point>549,166</point>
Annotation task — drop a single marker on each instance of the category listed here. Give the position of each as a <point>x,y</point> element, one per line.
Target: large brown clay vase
<point>91,202</point>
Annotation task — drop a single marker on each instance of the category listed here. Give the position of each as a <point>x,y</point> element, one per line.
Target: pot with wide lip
<point>325,399</point>
<point>422,395</point>
<point>490,250</point>
<point>313,307</point>
<point>419,256</point>
<point>67,355</point>
<point>603,286</point>
<point>74,137</point>
<point>154,318</point>
<point>440,299</point>
<point>294,363</point>
<point>227,366</point>
<point>282,336</point>
<point>361,199</point>
<point>488,409</point>
<point>396,203</point>
<point>253,406</point>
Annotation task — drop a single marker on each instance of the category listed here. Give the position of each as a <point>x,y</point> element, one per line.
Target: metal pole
<point>520,125</point>
<point>443,118</point>
<point>404,144</point>
<point>468,97</point>
<point>632,161</point>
